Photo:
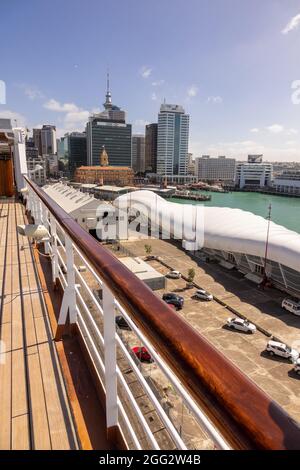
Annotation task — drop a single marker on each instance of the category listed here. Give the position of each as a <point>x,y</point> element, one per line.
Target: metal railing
<point>217,400</point>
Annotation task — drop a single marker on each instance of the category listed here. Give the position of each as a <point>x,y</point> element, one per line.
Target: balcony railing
<point>217,400</point>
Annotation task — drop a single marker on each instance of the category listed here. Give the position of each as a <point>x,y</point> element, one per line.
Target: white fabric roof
<point>221,228</point>
<point>70,199</point>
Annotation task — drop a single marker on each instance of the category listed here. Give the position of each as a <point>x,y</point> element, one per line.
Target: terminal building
<point>288,183</point>
<point>235,238</point>
<point>253,174</point>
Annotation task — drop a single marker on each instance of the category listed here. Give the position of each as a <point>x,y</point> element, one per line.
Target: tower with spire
<point>108,103</point>
<point>109,128</point>
<point>103,157</point>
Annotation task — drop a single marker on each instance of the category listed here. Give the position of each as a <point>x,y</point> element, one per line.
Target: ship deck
<point>34,407</point>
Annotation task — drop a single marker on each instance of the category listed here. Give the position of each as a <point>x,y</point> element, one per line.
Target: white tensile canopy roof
<point>219,228</point>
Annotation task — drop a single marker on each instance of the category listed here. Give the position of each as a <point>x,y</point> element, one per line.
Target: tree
<point>191,276</point>
<point>148,249</point>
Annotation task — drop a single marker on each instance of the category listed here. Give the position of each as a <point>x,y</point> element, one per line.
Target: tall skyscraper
<point>45,140</point>
<point>151,147</point>
<point>72,150</point>
<point>172,140</point>
<point>109,129</point>
<point>48,134</point>
<point>138,153</point>
<point>37,139</point>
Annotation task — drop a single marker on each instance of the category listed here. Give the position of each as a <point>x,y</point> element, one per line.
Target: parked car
<point>203,295</point>
<point>173,274</point>
<point>297,367</point>
<point>282,350</point>
<point>142,354</point>
<point>174,299</point>
<point>241,325</point>
<point>122,323</point>
<point>291,306</point>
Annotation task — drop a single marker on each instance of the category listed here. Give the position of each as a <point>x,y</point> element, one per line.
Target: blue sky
<point>230,63</point>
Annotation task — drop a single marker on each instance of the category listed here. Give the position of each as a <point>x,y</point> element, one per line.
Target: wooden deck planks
<point>34,410</point>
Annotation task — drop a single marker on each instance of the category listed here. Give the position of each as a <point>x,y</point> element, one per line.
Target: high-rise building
<point>151,147</point>
<point>37,139</point>
<point>45,140</point>
<point>109,129</point>
<point>215,168</point>
<point>48,134</point>
<point>172,140</point>
<point>72,150</point>
<point>138,153</point>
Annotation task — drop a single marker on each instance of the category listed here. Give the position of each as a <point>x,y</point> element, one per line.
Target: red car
<point>142,354</point>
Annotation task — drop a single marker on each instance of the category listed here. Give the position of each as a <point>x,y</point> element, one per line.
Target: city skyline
<point>235,80</point>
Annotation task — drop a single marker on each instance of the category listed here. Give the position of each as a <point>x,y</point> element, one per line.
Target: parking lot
<point>274,375</point>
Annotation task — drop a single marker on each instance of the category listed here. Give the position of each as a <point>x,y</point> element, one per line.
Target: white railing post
<point>45,222</point>
<point>69,297</point>
<point>54,258</point>
<point>31,202</point>
<point>110,360</point>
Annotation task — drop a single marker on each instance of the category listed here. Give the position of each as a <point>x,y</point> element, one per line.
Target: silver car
<point>241,325</point>
<point>203,295</point>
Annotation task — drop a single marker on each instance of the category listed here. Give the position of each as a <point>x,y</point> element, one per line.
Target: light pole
<point>267,244</point>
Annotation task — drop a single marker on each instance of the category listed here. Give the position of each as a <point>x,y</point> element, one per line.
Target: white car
<point>282,350</point>
<point>297,367</point>
<point>203,295</point>
<point>291,306</point>
<point>173,274</point>
<point>241,325</point>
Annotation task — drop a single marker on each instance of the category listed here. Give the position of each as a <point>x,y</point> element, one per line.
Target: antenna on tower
<point>107,80</point>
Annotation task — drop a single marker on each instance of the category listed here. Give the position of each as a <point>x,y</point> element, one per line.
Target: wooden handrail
<point>245,415</point>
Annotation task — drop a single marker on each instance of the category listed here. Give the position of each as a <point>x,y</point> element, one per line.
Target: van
<point>291,306</point>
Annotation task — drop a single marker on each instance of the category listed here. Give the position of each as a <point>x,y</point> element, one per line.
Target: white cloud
<point>31,91</point>
<point>140,123</point>
<point>54,105</point>
<point>13,116</point>
<point>75,117</point>
<point>255,130</point>
<point>292,131</point>
<point>158,83</point>
<point>192,91</point>
<point>292,24</point>
<point>145,71</point>
<point>275,128</point>
<point>154,96</point>
<point>215,99</point>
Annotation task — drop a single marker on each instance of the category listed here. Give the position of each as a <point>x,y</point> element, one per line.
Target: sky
<point>233,64</point>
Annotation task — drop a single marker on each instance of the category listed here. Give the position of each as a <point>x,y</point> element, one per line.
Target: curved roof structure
<point>219,228</point>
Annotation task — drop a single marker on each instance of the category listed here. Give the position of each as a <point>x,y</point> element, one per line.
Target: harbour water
<point>285,210</point>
